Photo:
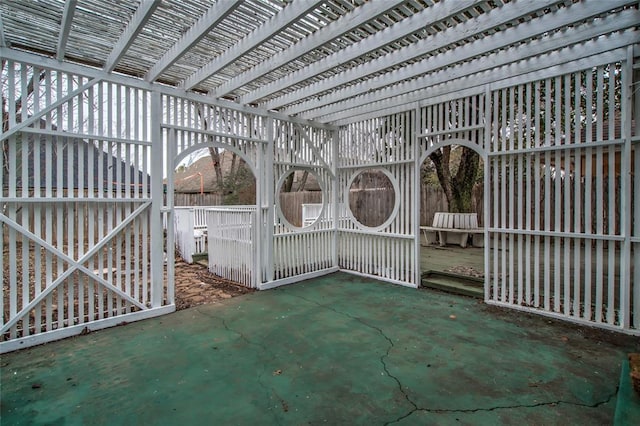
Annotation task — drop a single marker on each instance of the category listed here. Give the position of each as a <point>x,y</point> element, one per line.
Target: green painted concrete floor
<point>337,350</point>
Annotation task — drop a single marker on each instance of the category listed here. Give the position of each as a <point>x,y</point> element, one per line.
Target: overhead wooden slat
<point>3,41</point>
<point>67,19</point>
<point>331,31</point>
<point>396,32</point>
<point>216,13</point>
<point>268,57</point>
<point>502,58</point>
<point>547,23</point>
<point>286,17</point>
<point>138,20</point>
<point>508,13</point>
<point>545,64</point>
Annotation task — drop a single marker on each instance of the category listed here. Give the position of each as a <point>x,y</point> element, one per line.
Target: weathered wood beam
<point>137,23</point>
<point>425,18</point>
<point>67,19</point>
<point>335,29</point>
<point>563,18</point>
<point>287,16</point>
<point>212,17</point>
<point>359,95</point>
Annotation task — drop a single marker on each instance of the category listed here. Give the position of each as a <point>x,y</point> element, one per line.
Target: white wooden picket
<point>231,250</point>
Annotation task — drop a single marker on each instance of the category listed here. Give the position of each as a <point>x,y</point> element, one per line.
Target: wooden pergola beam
<point>425,18</point>
<point>212,17</point>
<point>476,27</point>
<point>3,40</point>
<point>65,28</point>
<point>333,30</point>
<point>564,18</point>
<point>138,20</point>
<point>562,61</point>
<point>286,17</point>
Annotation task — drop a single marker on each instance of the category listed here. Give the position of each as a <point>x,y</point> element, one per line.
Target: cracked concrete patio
<point>340,349</point>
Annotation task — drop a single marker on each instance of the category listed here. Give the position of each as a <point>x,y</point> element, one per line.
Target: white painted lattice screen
<point>387,250</point>
<point>76,185</point>
<point>296,250</point>
<point>232,232</point>
<point>561,172</point>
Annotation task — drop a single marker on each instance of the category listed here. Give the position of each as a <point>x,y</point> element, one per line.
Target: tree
<point>456,167</point>
<point>458,186</point>
<point>239,185</point>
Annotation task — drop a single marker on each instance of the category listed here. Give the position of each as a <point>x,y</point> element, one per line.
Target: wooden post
<point>157,186</point>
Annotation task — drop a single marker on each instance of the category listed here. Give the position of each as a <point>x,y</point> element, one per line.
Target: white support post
<point>417,186</point>
<point>625,193</point>
<point>157,237</point>
<point>270,199</point>
<point>335,182</point>
<point>168,209</point>
<point>636,195</point>
<point>258,227</point>
<point>486,220</point>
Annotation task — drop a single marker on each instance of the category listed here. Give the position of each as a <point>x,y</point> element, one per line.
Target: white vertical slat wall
<point>631,125</point>
<point>301,251</point>
<point>272,148</point>
<point>190,231</point>
<point>81,158</point>
<point>559,198</point>
<point>386,251</point>
<point>232,252</point>
<point>184,231</point>
<point>189,126</point>
<point>75,207</point>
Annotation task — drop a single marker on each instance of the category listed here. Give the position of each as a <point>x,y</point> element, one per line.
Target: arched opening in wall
<point>451,219</point>
<point>214,206</point>
<point>372,198</point>
<point>214,176</point>
<point>300,201</point>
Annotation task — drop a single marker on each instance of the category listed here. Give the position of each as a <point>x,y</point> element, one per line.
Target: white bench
<point>454,228</point>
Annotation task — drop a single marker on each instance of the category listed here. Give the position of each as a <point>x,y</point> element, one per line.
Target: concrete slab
<point>335,350</point>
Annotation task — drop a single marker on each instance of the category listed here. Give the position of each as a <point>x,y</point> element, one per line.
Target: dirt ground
<point>195,285</point>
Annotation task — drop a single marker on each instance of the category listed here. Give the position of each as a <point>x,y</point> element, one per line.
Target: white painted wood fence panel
<point>189,126</point>
<point>300,251</point>
<point>386,251</point>
<point>76,231</point>
<point>190,230</point>
<point>232,253</point>
<point>560,214</point>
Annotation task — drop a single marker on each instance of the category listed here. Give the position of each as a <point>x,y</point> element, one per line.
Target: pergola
<point>101,101</point>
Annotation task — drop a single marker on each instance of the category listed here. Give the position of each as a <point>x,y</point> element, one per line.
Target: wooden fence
<point>196,199</point>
